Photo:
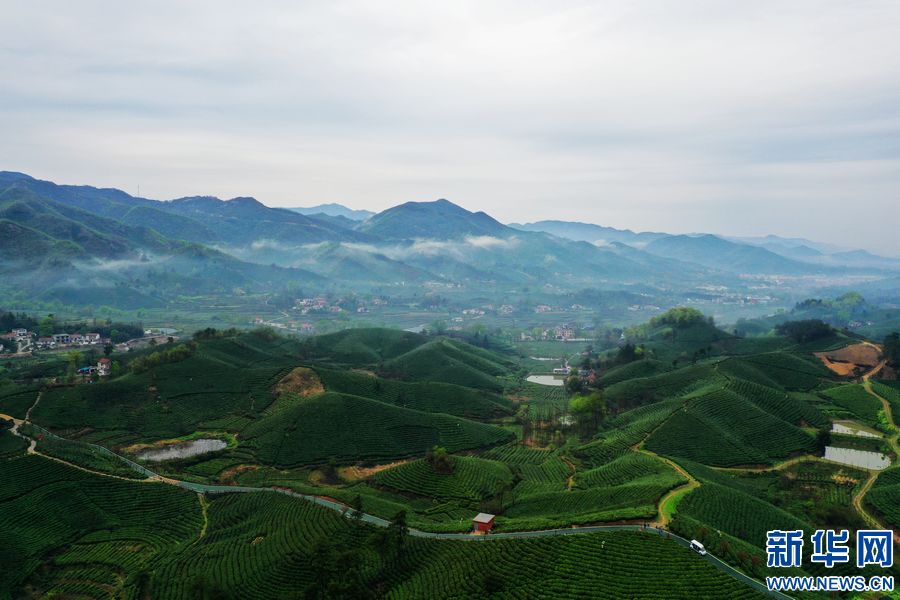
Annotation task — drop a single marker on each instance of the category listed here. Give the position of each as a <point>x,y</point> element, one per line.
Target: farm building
<point>482,523</point>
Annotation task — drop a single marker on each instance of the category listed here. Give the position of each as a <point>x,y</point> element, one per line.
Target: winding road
<point>202,489</point>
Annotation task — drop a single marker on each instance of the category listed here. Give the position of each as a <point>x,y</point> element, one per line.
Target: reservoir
<point>182,450</point>
<point>857,458</point>
<point>851,428</point>
<point>546,380</point>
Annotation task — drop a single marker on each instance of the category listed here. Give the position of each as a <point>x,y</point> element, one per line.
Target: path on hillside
<point>776,466</point>
<point>669,502</point>
<point>570,480</point>
<point>381,522</point>
<point>859,498</point>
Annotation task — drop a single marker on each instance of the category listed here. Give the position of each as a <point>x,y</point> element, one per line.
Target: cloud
<point>645,114</point>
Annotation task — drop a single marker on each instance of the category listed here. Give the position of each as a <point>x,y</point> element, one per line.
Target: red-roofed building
<point>483,523</point>
<point>104,366</point>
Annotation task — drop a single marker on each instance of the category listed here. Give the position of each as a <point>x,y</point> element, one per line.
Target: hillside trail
<point>570,480</point>
<point>667,505</point>
<point>33,406</point>
<point>859,497</point>
<point>669,502</point>
<point>779,466</point>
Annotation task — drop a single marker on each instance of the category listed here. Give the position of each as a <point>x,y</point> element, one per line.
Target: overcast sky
<point>733,117</point>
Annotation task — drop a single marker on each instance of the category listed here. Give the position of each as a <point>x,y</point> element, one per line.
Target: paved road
<point>579,530</point>
<point>380,522</point>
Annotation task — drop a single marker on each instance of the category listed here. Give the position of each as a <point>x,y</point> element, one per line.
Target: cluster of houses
<point>545,308</point>
<point>320,304</point>
<point>103,368</point>
<point>565,333</point>
<point>292,326</point>
<point>66,340</point>
<point>17,335</point>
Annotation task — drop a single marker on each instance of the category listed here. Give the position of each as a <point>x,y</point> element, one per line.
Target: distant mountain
<point>335,220</point>
<point>714,252</point>
<point>587,232</point>
<point>66,251</point>
<point>246,220</point>
<point>440,219</point>
<point>773,242</point>
<point>88,245</point>
<point>334,210</point>
<point>801,252</point>
<point>856,259</point>
<point>200,219</point>
<point>861,258</point>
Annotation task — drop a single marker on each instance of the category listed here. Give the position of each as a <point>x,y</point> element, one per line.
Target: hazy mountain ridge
<point>334,210</point>
<point>105,237</point>
<point>588,232</point>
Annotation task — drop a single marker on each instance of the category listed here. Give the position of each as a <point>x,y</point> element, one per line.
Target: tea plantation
<point>723,445</point>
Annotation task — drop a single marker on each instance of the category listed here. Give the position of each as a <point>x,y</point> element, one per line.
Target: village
<point>22,342</point>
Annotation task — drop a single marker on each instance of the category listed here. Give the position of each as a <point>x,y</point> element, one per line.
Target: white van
<point>698,547</point>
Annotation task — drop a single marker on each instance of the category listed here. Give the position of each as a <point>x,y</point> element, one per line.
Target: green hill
<point>722,428</point>
<point>361,347</point>
<point>471,479</point>
<point>350,428</point>
<point>425,396</point>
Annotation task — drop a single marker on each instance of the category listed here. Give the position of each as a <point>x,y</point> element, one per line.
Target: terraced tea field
<point>724,443</point>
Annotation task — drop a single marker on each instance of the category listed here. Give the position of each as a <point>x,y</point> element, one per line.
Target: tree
<point>805,331</point>
<point>823,438</point>
<point>574,385</point>
<point>47,326</point>
<point>589,410</point>
<point>439,460</point>
<point>357,505</point>
<point>108,349</point>
<point>74,359</point>
<point>892,348</point>
<point>398,530</point>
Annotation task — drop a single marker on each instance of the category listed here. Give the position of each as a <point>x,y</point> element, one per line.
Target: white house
<point>104,367</point>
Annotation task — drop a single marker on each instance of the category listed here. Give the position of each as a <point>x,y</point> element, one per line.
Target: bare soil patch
<point>301,381</point>
<point>356,473</point>
<point>851,360</point>
<point>230,474</point>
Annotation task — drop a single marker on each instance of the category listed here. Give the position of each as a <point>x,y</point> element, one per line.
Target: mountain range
<point>82,244</point>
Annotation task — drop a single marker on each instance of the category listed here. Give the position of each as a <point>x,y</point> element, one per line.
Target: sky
<point>735,117</point>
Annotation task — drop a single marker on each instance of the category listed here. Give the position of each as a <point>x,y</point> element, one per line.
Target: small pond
<point>852,428</point>
<point>546,379</point>
<point>857,458</point>
<point>182,450</point>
